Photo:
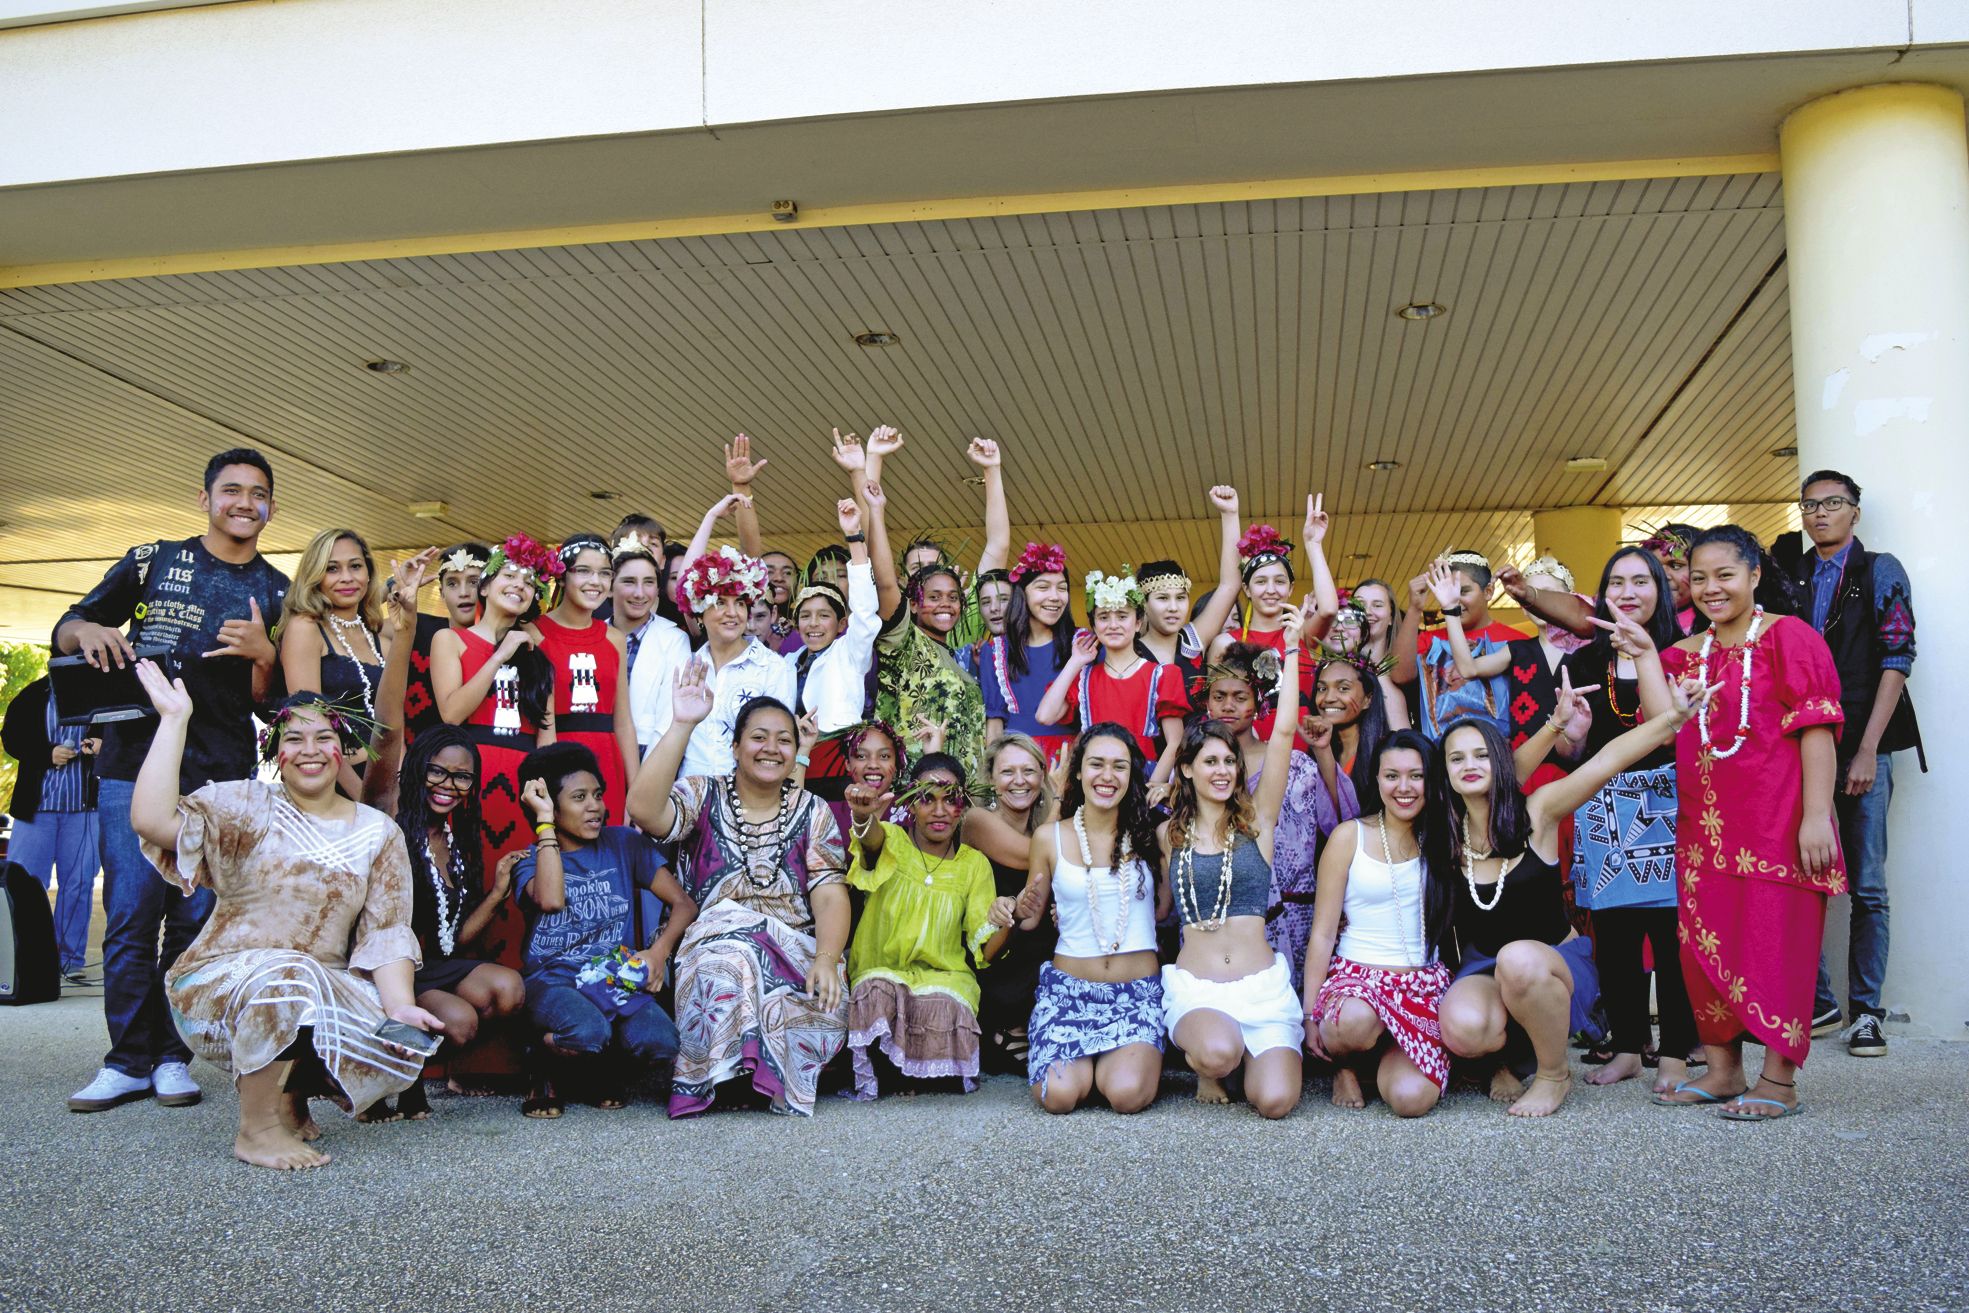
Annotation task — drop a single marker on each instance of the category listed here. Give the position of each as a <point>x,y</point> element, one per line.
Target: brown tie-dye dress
<point>275,956</point>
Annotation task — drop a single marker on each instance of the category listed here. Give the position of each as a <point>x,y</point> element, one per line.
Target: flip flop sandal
<point>1737,1114</point>
<point>544,1104</point>
<point>1702,1099</point>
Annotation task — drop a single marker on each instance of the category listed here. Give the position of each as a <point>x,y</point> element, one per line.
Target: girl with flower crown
<point>493,679</point>
<point>591,666</point>
<point>1108,679</point>
<point>1268,578</point>
<point>1018,666</point>
<point>457,571</point>
<point>1759,849</point>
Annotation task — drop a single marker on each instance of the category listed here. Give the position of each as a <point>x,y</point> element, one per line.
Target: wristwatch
<point>856,538</point>
<point>1456,610</point>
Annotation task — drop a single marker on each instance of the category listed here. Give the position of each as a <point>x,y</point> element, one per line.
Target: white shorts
<point>1263,1004</point>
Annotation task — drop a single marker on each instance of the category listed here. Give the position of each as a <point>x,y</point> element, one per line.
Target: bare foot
<point>1786,1095</point>
<point>1672,1073</point>
<point>1625,1066</point>
<point>1211,1090</point>
<point>1712,1085</point>
<point>1347,1089</point>
<point>294,1115</point>
<point>379,1111</point>
<point>1505,1085</point>
<point>276,1147</point>
<point>1543,1096</point>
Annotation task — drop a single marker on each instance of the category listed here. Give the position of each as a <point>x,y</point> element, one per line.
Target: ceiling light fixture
<point>1358,556</point>
<point>603,494</point>
<point>1383,466</point>
<point>1784,453</point>
<point>876,337</point>
<point>429,510</point>
<point>386,367</point>
<point>1584,464</point>
<point>1418,311</point>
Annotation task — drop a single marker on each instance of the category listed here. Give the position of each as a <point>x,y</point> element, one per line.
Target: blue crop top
<point>1251,881</point>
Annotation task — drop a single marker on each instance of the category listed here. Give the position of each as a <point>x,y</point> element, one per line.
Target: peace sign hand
<point>1316,519</point>
<point>1572,705</point>
<point>1628,638</point>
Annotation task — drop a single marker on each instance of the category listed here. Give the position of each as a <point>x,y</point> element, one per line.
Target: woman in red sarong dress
<point>1759,850</point>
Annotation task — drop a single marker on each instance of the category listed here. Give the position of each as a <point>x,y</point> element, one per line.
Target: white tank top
<point>1080,933</point>
<point>1381,915</point>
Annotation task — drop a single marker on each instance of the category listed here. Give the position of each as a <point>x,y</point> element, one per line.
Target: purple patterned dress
<point>1308,815</point>
<point>742,1005</point>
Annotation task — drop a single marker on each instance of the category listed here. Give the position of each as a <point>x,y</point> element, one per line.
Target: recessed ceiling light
<point>876,337</point>
<point>1579,464</point>
<point>429,510</point>
<point>603,494</point>
<point>1416,311</point>
<point>387,367</point>
<point>1383,466</point>
<point>1784,453</point>
<point>1358,556</point>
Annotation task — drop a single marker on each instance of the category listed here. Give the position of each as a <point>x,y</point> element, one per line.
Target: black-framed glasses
<point>461,780</point>
<point>1810,504</point>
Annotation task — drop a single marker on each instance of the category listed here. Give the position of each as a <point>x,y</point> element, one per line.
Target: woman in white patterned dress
<point>271,989</point>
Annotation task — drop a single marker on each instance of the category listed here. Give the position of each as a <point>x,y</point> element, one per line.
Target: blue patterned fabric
<point>1074,1018</point>
<point>1623,842</point>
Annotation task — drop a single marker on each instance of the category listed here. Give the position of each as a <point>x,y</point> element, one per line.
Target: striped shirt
<point>65,788</point>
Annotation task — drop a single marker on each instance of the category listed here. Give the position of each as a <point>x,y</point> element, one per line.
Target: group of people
<point>891,822</point>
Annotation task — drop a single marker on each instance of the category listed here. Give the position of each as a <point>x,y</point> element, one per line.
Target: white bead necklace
<point>1117,868</point>
<point>447,929</point>
<point>1504,867</point>
<point>1743,698</point>
<point>1186,883</point>
<point>1388,859</point>
<point>342,628</point>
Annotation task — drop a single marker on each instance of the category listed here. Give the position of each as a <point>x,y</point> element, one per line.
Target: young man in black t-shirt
<point>209,600</point>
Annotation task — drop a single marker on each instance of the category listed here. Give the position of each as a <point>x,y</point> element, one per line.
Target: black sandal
<point>544,1103</point>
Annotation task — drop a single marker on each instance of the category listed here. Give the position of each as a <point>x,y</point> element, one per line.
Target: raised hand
<point>1292,621</point>
<point>1444,585</point>
<point>1627,636</point>
<point>806,731</point>
<point>849,514</point>
<point>1317,730</point>
<point>884,440</point>
<point>1418,591</point>
<point>168,696</point>
<point>983,453</point>
<point>535,798</point>
<point>740,468</point>
<point>1316,521</point>
<point>848,453</point>
<point>693,697</point>
<point>929,735</point>
<point>1688,695</point>
<point>1086,649</point>
<point>1514,583</point>
<point>867,804</point>
<point>245,638</point>
<point>872,494</point>
<point>406,577</point>
<point>727,505</point>
<point>1224,498</point>
<point>1571,702</point>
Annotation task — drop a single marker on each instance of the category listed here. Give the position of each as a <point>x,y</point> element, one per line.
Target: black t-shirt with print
<point>178,595</point>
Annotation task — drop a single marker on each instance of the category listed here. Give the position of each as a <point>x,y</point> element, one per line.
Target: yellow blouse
<point>925,920</point>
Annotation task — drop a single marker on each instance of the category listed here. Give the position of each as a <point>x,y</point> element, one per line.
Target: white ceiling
<point>1125,359</point>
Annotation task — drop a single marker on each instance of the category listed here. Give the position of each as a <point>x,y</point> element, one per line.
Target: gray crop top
<point>1251,882</point>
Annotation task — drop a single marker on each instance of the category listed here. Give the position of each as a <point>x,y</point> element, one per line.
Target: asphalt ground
<point>983,1202</point>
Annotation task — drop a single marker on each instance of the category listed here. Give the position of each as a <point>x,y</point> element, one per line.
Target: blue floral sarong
<point>1074,1018</point>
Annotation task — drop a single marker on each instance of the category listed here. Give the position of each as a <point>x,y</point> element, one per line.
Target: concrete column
<point>1582,537</point>
<point>1876,207</point>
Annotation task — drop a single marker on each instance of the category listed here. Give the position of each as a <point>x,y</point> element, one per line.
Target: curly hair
<point>414,818</point>
<point>1239,813</point>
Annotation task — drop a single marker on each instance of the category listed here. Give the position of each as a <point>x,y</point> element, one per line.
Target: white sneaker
<point>109,1088</point>
<point>174,1085</point>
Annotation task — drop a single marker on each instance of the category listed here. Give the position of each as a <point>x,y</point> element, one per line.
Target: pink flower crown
<point>1039,558</point>
<point>726,572</point>
<point>1262,540</point>
<point>541,562</point>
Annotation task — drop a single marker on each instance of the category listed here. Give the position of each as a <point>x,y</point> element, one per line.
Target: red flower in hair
<point>1039,558</point>
<point>1263,540</point>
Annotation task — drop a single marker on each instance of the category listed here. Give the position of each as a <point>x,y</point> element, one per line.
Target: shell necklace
<point>1186,883</point>
<point>1743,697</point>
<point>758,839</point>
<point>1121,899</point>
<point>1470,858</point>
<point>342,628</point>
<point>442,888</point>
<point>1388,860</point>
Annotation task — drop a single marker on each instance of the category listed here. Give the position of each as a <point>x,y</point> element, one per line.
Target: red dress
<point>586,670</point>
<point>1751,919</point>
<point>1149,695</point>
<point>504,736</point>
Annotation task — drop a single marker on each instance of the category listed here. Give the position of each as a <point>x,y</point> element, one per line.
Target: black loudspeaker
<point>29,969</point>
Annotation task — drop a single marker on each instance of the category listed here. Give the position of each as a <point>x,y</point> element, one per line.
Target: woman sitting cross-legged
<point>760,989</point>
<point>1374,974</point>
<point>1523,965</point>
<point>932,912</point>
<point>590,979</point>
<point>309,949</point>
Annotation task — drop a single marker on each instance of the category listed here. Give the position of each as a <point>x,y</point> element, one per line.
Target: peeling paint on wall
<point>1876,413</point>
<point>1835,383</point>
<point>1875,345</point>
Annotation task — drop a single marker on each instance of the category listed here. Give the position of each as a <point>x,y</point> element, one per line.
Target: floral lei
<point>726,572</point>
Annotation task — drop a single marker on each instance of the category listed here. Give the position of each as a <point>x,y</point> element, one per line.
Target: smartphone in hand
<point>408,1037</point>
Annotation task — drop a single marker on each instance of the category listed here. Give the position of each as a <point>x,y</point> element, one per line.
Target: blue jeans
<point>63,844</point>
<point>647,1037</point>
<point>139,906</point>
<point>1863,840</point>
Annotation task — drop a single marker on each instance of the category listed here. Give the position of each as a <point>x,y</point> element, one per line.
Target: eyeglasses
<point>1810,504</point>
<point>461,780</point>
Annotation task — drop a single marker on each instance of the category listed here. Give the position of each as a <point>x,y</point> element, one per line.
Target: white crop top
<point>1082,933</point>
<point>1381,915</point>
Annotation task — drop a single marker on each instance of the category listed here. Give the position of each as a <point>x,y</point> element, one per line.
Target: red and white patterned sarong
<point>1407,1002</point>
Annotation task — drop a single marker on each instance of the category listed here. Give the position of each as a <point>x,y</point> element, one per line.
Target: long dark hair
<point>1661,626</point>
<point>1510,820</point>
<point>536,693</point>
<point>1134,818</point>
<point>1243,816</point>
<point>1438,874</point>
<point>415,820</point>
<point>1774,587</point>
<point>1018,631</point>
<point>1372,727</point>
